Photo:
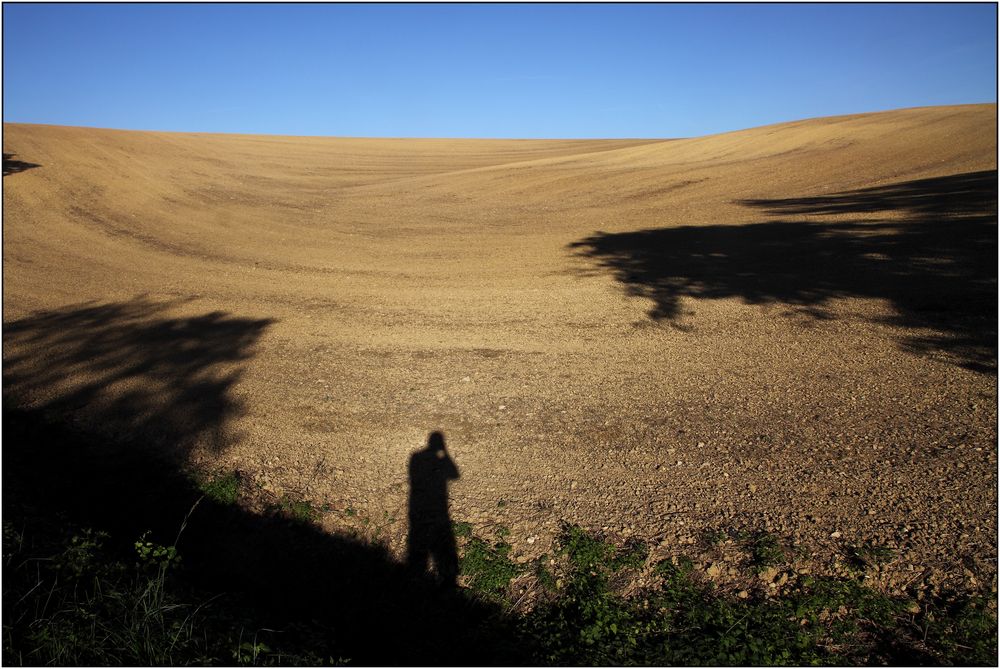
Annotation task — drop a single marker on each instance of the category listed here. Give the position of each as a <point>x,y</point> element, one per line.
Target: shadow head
<point>435,444</point>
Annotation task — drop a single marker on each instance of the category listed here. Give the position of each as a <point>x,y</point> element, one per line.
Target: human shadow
<point>927,247</point>
<point>11,166</point>
<point>430,537</point>
<point>79,427</point>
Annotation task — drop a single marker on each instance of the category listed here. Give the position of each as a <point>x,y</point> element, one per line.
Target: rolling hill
<point>789,328</point>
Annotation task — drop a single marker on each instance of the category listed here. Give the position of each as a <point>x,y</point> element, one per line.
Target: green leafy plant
<point>961,631</point>
<point>713,537</point>
<point>487,567</point>
<point>584,550</point>
<point>155,556</point>
<point>248,652</point>
<point>685,621</point>
<point>76,599</point>
<point>79,557</point>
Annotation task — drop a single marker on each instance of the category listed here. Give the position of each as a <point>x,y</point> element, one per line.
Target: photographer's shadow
<point>431,538</point>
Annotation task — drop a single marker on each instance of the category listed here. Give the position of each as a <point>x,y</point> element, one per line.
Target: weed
<point>677,586</point>
<point>632,556</point>
<point>82,606</point>
<point>250,652</point>
<point>299,509</point>
<point>665,568</point>
<point>80,556</point>
<point>685,564</point>
<point>153,556</point>
<point>868,555</point>
<point>223,489</point>
<point>585,551</point>
<point>713,538</point>
<point>543,574</point>
<point>682,621</point>
<point>963,631</point>
<point>72,600</point>
<point>488,568</point>
<point>588,623</point>
<point>462,529</point>
<point>766,551</point>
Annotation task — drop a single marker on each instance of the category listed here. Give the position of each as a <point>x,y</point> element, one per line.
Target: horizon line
<point>482,138</point>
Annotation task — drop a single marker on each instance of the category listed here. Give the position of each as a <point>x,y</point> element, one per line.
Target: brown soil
<point>789,328</point>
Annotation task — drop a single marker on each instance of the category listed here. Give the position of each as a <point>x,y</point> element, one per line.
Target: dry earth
<point>789,328</point>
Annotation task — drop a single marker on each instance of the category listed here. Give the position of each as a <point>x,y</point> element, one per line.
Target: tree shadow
<point>127,369</point>
<point>431,538</point>
<point>11,166</point>
<point>934,261</point>
<point>87,391</point>
<point>957,195</point>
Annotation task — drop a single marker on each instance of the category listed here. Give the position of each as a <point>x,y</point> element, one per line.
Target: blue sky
<point>490,70</point>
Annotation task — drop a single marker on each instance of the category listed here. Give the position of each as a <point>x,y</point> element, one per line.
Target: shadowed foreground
<point>104,473</point>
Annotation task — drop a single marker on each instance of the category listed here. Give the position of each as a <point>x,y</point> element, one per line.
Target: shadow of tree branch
<point>11,166</point>
<point>127,368</point>
<point>934,261</point>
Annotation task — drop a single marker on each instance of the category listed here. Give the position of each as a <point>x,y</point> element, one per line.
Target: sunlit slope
<point>836,153</point>
<point>106,203</point>
<point>793,324</point>
<point>256,200</point>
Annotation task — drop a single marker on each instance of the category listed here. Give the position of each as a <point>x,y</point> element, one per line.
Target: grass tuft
<point>299,509</point>
<point>224,489</point>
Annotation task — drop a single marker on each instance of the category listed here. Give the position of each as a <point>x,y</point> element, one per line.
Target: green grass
<point>77,600</point>
<point>299,509</point>
<point>82,606</point>
<point>463,530</point>
<point>224,489</point>
<point>684,620</point>
<point>74,600</point>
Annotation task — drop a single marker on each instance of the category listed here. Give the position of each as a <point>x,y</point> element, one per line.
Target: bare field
<point>789,328</point>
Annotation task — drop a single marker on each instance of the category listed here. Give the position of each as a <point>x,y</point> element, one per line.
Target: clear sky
<point>490,70</point>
